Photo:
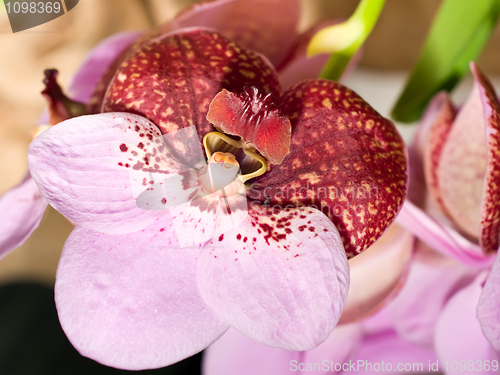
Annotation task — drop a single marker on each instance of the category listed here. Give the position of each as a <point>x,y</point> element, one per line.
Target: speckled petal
<point>488,309</point>
<point>414,320</point>
<point>489,220</point>
<point>435,138</point>
<point>86,166</point>
<point>235,353</point>
<point>378,274</point>
<point>184,71</point>
<point>21,211</point>
<point>197,219</point>
<point>441,237</point>
<point>345,159</point>
<point>97,63</point>
<point>266,26</point>
<point>131,301</point>
<point>281,278</point>
<point>458,336</point>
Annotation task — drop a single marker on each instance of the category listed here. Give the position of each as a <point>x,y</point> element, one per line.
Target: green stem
<point>343,40</point>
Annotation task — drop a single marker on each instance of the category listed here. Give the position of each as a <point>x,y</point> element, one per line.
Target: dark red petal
<point>265,26</point>
<point>345,159</point>
<point>95,102</point>
<point>255,117</point>
<point>434,141</point>
<point>172,80</point>
<point>489,221</point>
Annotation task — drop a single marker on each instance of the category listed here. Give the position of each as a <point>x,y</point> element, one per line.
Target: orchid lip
<point>251,163</point>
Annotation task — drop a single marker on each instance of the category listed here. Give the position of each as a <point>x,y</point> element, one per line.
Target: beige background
<point>63,43</point>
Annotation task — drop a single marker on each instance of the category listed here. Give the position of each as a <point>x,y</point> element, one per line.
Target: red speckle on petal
<point>221,237</point>
<point>123,147</point>
<point>238,237</point>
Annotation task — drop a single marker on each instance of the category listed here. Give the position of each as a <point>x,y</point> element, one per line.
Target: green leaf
<point>459,33</point>
<point>344,39</point>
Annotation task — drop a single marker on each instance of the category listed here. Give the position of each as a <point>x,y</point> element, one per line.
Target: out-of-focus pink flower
<point>455,211</point>
<point>128,293</point>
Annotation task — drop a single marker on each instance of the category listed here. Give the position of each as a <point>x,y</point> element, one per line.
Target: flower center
<point>221,171</point>
<point>250,164</point>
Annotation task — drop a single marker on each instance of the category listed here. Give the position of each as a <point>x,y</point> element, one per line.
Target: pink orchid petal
<point>468,177</point>
<point>436,109</point>
<point>21,211</point>
<point>441,238</point>
<point>437,136</point>
<point>235,353</point>
<point>339,347</point>
<point>488,308</point>
<point>395,353</point>
<point>97,63</point>
<point>377,274</point>
<point>131,301</point>
<point>462,165</point>
<point>85,167</point>
<point>458,336</point>
<point>379,322</point>
<point>281,278</point>
<point>489,225</point>
<point>196,221</point>
<point>414,319</point>
<point>266,26</point>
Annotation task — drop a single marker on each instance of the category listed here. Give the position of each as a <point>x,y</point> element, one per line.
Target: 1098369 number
<point>33,7</point>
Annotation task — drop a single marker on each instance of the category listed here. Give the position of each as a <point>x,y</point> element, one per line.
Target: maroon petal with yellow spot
<point>172,80</point>
<point>345,159</point>
<point>255,117</point>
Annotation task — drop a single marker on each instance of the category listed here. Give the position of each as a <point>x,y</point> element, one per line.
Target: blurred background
<point>63,43</point>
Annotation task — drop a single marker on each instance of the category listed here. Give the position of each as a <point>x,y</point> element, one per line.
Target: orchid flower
<point>454,212</point>
<point>142,288</point>
<point>253,25</point>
